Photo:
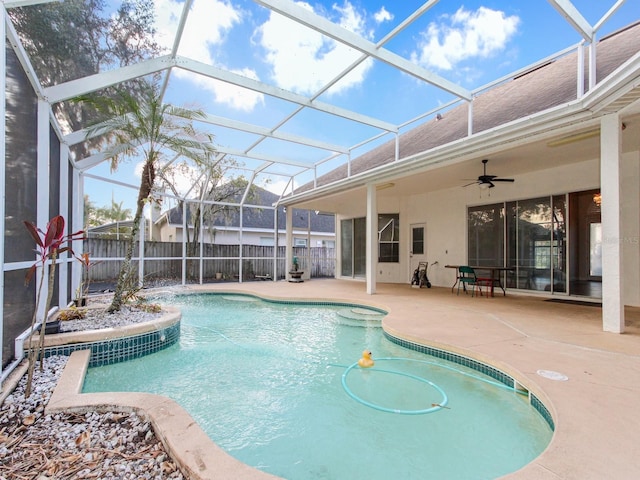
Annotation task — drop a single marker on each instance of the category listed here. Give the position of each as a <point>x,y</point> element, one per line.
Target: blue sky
<point>468,43</point>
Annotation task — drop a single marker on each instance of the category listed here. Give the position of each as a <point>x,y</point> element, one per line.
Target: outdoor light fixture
<point>597,198</point>
<point>383,186</point>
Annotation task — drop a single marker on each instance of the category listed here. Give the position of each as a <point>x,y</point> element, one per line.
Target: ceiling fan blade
<point>472,183</point>
<point>503,180</point>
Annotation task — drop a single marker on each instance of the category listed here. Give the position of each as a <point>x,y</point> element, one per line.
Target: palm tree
<point>146,127</point>
<point>115,213</point>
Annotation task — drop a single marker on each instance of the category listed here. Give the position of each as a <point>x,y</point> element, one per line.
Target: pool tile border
<point>116,350</point>
<point>481,367</point>
<point>118,344</point>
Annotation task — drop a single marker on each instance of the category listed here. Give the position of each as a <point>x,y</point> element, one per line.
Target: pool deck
<point>597,427</point>
<point>595,410</point>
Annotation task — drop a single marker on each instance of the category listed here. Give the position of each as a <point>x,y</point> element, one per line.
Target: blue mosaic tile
<point>117,350</point>
<point>542,410</point>
<point>488,370</point>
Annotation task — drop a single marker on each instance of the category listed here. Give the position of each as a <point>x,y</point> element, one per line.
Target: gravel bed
<point>35,446</point>
<point>98,318</point>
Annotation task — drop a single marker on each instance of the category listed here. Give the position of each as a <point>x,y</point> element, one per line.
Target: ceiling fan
<point>486,181</point>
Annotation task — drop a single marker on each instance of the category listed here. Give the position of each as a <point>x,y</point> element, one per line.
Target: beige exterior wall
<point>444,212</point>
<point>170,233</point>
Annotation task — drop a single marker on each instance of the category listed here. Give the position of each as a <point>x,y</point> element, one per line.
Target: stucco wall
<point>444,213</point>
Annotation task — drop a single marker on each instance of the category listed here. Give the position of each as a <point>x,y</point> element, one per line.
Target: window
<point>389,238</point>
<point>417,240</point>
<point>267,241</point>
<point>542,253</point>
<point>299,242</point>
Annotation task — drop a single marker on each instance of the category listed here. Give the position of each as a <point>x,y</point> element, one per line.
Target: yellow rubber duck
<point>366,361</point>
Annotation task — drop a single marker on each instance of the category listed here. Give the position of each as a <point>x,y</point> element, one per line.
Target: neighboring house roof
<point>259,218</point>
<point>111,227</point>
<point>545,87</point>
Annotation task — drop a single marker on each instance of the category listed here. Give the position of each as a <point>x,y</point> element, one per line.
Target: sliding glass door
<point>528,236</point>
<point>353,251</point>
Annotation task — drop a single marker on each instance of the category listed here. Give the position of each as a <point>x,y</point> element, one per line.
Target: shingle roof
<point>540,89</point>
<point>260,218</point>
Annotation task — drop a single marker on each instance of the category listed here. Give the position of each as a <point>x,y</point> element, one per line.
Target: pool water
<point>267,382</point>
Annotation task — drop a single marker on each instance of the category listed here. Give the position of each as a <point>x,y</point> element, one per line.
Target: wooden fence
<point>163,261</point>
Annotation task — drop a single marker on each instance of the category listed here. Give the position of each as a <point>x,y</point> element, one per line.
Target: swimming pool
<point>275,386</point>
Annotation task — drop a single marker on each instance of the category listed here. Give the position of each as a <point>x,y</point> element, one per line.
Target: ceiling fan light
<point>484,185</point>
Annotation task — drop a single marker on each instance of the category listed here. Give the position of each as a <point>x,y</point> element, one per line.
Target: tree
<point>99,216</point>
<point>90,213</point>
<point>143,126</point>
<point>210,183</point>
<point>76,38</point>
<point>114,213</point>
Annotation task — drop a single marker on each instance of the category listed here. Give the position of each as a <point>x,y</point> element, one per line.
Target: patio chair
<point>467,276</point>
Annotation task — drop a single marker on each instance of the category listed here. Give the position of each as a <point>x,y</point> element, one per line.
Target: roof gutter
<point>521,131</point>
<point>620,89</point>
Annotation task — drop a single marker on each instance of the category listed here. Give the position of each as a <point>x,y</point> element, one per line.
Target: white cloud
<point>233,96</point>
<point>467,34</point>
<point>383,15</point>
<point>277,186</point>
<point>206,29</point>
<point>303,60</point>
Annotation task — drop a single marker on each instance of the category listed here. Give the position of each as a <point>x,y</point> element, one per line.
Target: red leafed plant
<point>87,263</point>
<point>49,245</point>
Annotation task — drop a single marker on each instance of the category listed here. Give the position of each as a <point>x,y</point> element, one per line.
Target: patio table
<point>494,278</point>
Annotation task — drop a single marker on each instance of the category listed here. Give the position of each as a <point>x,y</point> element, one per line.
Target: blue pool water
<point>267,383</point>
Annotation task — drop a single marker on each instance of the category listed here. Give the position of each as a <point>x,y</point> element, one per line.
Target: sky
<point>468,43</point>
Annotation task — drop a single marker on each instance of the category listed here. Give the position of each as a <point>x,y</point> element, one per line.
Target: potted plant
<point>295,273</point>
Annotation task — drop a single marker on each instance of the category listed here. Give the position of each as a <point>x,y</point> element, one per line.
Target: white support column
<point>396,154</point>
<point>63,294</point>
<point>42,215</point>
<point>275,243</point>
<point>201,247</point>
<point>592,63</point>
<point>612,288</point>
<point>372,238</point>
<point>241,245</point>
<point>185,225</point>
<point>580,72</point>
<point>289,240</point>
<point>77,203</point>
<point>3,160</point>
<point>142,235</point>
<point>308,269</point>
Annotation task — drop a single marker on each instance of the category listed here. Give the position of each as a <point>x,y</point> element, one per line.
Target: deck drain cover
<point>551,375</point>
